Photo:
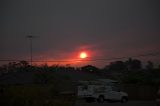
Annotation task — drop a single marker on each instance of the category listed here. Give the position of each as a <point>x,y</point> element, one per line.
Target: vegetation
<point>129,71</point>
<point>47,84</point>
<point>33,95</point>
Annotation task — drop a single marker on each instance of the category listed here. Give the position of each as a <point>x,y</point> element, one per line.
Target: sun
<point>83,55</point>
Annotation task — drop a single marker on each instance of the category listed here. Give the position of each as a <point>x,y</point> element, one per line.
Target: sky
<point>103,29</point>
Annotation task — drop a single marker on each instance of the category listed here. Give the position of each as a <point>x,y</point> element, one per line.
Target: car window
<point>115,89</point>
<point>85,87</point>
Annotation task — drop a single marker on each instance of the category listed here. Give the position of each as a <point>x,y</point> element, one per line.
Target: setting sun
<point>83,55</point>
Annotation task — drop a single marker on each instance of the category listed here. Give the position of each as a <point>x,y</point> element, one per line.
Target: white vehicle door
<point>112,93</point>
<point>115,93</point>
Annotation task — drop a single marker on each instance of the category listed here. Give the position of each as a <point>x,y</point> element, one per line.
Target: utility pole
<point>30,37</point>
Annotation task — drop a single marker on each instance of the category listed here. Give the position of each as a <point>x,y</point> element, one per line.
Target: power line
<point>101,59</point>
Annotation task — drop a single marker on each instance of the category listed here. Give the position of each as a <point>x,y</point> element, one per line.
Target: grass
<point>34,95</point>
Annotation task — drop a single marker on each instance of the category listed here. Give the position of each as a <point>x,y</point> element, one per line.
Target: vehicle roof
<point>98,82</point>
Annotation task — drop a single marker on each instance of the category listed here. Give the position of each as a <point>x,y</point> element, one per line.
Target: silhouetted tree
<point>118,65</point>
<point>12,66</point>
<point>4,69</point>
<point>136,64</point>
<point>24,64</point>
<point>89,68</point>
<point>129,64</point>
<point>133,64</point>
<point>149,65</point>
<point>69,68</point>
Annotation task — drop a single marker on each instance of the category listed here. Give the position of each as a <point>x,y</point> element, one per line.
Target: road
<point>129,103</point>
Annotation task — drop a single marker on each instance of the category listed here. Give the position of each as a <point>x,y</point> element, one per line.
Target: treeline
<point>130,71</point>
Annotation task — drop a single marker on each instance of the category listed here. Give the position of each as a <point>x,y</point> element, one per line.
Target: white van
<point>97,90</point>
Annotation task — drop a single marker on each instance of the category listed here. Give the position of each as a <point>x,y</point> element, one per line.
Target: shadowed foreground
<point>129,103</point>
<point>34,95</point>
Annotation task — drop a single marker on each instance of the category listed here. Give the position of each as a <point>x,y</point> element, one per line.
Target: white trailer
<point>100,90</point>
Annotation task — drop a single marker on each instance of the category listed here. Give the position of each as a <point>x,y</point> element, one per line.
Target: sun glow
<point>83,55</point>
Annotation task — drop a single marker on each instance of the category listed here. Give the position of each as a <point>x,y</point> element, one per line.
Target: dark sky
<point>63,28</point>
